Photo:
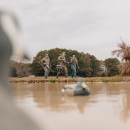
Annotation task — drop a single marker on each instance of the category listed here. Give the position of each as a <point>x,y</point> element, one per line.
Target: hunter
<point>74,63</point>
<point>62,65</point>
<point>46,65</point>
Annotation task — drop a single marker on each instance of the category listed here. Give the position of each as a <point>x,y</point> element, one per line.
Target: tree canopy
<point>112,66</point>
<point>89,65</point>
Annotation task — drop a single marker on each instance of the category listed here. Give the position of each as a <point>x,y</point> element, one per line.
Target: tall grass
<point>68,80</point>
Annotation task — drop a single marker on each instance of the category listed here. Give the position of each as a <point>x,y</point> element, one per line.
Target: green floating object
<point>79,89</point>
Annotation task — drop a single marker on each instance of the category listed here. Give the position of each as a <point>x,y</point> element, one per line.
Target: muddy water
<point>107,108</point>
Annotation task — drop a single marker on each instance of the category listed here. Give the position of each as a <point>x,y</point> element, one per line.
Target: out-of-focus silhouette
<point>11,117</point>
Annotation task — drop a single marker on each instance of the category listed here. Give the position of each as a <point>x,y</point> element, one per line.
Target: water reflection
<point>111,98</point>
<point>50,97</point>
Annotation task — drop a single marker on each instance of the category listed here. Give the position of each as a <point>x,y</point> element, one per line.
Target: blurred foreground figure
<point>11,118</point>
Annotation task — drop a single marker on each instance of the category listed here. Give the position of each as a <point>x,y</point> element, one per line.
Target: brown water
<point>107,108</point>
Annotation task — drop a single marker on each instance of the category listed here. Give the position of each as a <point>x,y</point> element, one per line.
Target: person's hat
<point>46,54</point>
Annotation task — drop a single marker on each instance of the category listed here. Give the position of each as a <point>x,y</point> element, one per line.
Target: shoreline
<point>69,79</point>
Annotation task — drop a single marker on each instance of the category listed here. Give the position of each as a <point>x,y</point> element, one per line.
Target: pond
<point>107,108</point>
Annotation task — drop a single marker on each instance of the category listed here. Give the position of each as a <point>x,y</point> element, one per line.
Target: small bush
<point>52,80</point>
<point>105,80</point>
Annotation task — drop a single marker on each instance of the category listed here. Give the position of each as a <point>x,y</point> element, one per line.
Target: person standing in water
<point>46,65</point>
<point>74,63</point>
<point>62,64</point>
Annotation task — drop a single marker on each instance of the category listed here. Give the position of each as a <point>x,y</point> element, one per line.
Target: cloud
<point>90,26</point>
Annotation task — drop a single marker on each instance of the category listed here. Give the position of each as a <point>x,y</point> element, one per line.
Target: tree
<point>95,66</point>
<point>89,65</point>
<point>112,66</point>
<point>13,72</point>
<point>86,66</point>
<point>22,69</point>
<point>124,53</point>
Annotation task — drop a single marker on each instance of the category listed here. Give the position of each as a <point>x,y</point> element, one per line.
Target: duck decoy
<point>11,117</point>
<point>79,89</point>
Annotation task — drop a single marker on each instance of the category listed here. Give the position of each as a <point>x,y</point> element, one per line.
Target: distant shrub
<point>105,80</point>
<point>52,80</point>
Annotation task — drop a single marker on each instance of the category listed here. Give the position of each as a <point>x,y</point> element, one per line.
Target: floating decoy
<point>79,89</point>
<point>11,117</point>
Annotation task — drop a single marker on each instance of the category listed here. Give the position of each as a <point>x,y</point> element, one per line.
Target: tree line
<point>89,65</point>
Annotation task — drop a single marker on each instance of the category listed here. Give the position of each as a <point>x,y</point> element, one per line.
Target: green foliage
<point>116,80</point>
<point>37,69</point>
<point>113,66</point>
<point>52,80</point>
<point>95,66</point>
<point>91,81</point>
<point>13,72</point>
<point>89,65</point>
<point>105,80</point>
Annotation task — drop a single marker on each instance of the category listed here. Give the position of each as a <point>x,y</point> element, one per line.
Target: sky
<point>89,26</point>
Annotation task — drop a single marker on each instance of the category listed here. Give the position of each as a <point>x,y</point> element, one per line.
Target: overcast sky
<point>90,26</point>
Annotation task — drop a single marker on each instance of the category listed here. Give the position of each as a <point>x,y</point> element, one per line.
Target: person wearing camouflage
<point>46,65</point>
<point>61,67</point>
<point>74,63</point>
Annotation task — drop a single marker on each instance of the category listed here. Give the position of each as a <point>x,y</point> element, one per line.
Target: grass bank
<point>69,79</point>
